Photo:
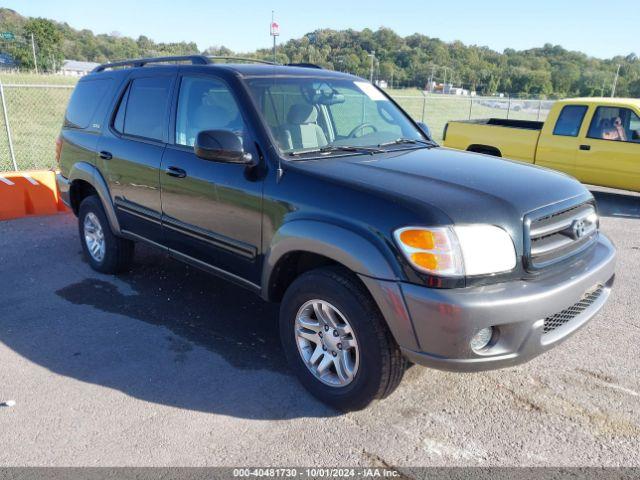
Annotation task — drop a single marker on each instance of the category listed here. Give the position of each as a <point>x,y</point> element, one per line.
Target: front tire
<point>337,342</point>
<point>105,252</point>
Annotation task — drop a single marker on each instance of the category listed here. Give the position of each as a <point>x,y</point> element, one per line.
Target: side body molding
<point>87,172</point>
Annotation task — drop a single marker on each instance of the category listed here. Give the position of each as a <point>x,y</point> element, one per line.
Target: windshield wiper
<point>338,148</point>
<point>403,140</point>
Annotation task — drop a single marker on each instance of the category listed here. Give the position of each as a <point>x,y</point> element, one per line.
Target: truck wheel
<point>336,340</point>
<point>105,252</point>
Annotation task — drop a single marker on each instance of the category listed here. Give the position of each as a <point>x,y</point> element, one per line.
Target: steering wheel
<point>360,127</point>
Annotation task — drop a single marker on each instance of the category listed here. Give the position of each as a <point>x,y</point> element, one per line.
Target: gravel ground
<point>167,366</point>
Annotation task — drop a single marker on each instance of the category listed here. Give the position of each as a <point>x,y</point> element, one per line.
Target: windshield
<point>309,114</point>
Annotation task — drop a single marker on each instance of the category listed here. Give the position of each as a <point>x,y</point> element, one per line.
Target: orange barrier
<point>29,193</point>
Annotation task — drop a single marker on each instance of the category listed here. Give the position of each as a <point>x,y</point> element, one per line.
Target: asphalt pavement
<point>168,366</point>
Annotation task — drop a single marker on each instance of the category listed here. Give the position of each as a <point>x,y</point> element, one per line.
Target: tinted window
<point>205,104</point>
<point>86,98</point>
<point>570,120</point>
<point>118,123</point>
<point>616,124</point>
<point>146,107</point>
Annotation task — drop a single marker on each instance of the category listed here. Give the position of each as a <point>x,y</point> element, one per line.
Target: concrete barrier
<point>29,193</point>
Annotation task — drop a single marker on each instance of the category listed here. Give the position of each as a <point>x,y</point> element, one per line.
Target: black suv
<point>314,189</point>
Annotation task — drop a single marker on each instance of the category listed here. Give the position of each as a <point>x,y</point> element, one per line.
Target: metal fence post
<point>509,108</point>
<point>470,107</point>
<point>6,124</point>
<point>424,105</point>
<point>539,108</point>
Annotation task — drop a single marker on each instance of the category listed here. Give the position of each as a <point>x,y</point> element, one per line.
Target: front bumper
<point>445,320</point>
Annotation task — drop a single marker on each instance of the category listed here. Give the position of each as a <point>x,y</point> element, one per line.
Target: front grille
<point>568,314</point>
<point>555,236</point>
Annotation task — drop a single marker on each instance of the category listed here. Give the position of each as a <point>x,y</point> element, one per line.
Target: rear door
<point>559,140</point>
<point>131,150</point>
<point>610,149</point>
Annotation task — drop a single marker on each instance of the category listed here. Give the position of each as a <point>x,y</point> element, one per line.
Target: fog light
<point>481,339</point>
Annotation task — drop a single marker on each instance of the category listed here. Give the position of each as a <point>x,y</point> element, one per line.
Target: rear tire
<point>105,252</point>
<point>377,365</point>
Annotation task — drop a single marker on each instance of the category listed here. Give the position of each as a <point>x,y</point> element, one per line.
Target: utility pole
<point>615,82</point>
<point>373,57</point>
<point>33,49</point>
<point>433,73</point>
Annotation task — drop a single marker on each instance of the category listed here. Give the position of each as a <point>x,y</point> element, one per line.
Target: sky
<point>599,28</point>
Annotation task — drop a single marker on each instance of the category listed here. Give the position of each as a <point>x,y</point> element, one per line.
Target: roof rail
<point>141,62</point>
<point>241,59</point>
<point>194,59</point>
<point>304,65</point>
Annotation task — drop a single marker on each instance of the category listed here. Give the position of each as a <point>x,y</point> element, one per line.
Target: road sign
<point>275,28</point>
<point>7,36</point>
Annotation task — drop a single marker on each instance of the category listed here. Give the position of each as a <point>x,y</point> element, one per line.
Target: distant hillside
<point>404,61</point>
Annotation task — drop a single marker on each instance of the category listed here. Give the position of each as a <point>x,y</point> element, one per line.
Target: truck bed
<point>515,139</point>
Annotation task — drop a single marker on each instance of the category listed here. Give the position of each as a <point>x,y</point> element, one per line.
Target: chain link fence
<point>30,122</point>
<point>437,109</point>
<point>32,115</point>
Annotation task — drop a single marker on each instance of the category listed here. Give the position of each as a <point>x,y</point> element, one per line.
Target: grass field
<point>35,114</point>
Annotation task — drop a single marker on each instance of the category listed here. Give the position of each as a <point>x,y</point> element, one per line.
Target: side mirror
<point>425,129</point>
<point>221,146</point>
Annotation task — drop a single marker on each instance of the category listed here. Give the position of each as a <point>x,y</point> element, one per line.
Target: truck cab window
<point>570,120</point>
<point>205,104</point>
<point>615,124</point>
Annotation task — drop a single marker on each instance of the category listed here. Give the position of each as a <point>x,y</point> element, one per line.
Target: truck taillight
<point>58,150</point>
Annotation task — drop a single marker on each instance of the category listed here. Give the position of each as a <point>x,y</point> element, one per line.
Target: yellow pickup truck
<point>596,140</point>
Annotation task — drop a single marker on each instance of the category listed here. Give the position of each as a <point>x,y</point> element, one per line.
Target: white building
<point>76,68</point>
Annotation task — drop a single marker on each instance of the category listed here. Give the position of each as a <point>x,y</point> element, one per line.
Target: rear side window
<point>85,100</point>
<point>570,120</point>
<point>145,108</point>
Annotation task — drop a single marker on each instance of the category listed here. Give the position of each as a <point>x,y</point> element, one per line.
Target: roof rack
<point>194,59</point>
<point>304,65</point>
<point>241,59</point>
<point>141,62</point>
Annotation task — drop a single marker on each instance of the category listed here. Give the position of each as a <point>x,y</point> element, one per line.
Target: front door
<point>131,152</point>
<point>559,143</point>
<point>211,211</point>
<point>610,154</point>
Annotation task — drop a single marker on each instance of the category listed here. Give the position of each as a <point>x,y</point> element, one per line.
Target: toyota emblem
<point>578,229</point>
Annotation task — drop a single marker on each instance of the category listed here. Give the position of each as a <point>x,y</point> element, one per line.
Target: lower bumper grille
<point>568,314</point>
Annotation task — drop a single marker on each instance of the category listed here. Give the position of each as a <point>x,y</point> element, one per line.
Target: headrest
<point>301,113</point>
<point>211,116</point>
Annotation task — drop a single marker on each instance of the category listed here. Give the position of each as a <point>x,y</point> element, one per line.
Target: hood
<point>466,187</point>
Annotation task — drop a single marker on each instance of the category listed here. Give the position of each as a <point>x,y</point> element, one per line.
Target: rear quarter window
<point>570,120</point>
<point>85,101</point>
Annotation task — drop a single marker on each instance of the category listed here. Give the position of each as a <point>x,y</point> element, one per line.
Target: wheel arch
<point>301,245</point>
<point>84,177</point>
<point>485,149</point>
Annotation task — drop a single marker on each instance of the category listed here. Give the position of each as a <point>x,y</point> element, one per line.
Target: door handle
<point>106,155</point>
<point>585,147</point>
<point>176,172</point>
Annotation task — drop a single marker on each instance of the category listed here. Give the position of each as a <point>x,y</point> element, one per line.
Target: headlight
<point>458,250</point>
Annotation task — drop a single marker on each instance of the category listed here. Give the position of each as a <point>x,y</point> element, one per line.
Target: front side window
<point>570,120</point>
<point>615,124</point>
<point>205,104</point>
<point>145,108</point>
<point>308,113</point>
